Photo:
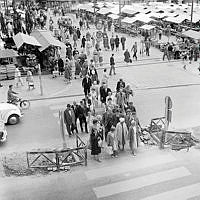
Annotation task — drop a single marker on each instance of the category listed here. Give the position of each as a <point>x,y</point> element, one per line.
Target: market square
<point>104,99</point>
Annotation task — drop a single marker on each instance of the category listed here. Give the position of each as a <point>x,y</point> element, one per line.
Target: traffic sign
<point>168,112</point>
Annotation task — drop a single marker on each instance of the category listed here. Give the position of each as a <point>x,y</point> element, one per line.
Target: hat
<point>128,110</point>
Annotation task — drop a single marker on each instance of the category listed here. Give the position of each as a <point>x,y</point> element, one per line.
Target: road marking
<point>183,193</point>
<point>140,182</point>
<point>129,166</point>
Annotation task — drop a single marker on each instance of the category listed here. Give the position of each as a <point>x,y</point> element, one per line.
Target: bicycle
<point>23,103</point>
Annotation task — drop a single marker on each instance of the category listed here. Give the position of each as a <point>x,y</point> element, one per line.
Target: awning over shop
<point>8,53</point>
<point>192,34</point>
<point>176,20</point>
<point>147,27</point>
<point>129,11</point>
<point>104,11</point>
<point>113,16</point>
<point>129,20</point>
<point>143,18</point>
<point>21,39</point>
<point>45,39</point>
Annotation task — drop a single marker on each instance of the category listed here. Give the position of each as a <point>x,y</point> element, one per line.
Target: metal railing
<point>58,158</point>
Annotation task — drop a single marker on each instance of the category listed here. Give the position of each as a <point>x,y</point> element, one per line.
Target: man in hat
<point>69,119</point>
<point>121,133</point>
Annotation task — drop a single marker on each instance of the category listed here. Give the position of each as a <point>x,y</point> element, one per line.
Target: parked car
<point>3,132</point>
<point>10,113</point>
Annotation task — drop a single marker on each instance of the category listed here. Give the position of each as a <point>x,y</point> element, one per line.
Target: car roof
<point>5,106</point>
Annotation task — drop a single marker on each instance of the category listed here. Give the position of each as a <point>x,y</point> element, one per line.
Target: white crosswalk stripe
<point>183,193</point>
<point>110,187</point>
<point>140,182</point>
<point>130,166</point>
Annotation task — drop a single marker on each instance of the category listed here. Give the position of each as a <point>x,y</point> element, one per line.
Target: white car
<point>10,113</point>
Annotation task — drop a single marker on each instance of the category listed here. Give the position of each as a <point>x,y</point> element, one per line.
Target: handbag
<point>100,143</point>
<point>109,150</point>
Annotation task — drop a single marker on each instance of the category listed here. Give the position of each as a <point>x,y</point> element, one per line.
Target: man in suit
<point>112,65</point>
<point>82,113</point>
<point>69,119</point>
<point>104,90</point>
<point>86,83</point>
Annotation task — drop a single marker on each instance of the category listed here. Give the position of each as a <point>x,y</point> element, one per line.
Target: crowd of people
<point>109,117</point>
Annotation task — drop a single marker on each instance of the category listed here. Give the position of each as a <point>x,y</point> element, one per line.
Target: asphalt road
<point>39,126</point>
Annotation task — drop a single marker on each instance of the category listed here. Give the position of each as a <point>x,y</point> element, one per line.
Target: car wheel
<point>13,119</point>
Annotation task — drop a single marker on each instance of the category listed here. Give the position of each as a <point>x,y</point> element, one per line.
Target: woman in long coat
<point>105,42</point>
<point>121,133</point>
<point>132,137</point>
<point>127,56</point>
<point>67,72</point>
<point>77,68</point>
<point>85,68</point>
<point>95,140</point>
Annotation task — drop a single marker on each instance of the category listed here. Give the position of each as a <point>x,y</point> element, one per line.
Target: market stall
<point>21,39</point>
<point>49,49</point>
<point>7,63</point>
<point>192,34</point>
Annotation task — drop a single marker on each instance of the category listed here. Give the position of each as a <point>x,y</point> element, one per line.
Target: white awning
<point>104,11</point>
<point>113,16</point>
<point>46,39</point>
<point>192,34</point>
<point>129,20</point>
<point>21,39</point>
<point>143,18</point>
<point>176,20</point>
<point>147,27</point>
<point>129,11</point>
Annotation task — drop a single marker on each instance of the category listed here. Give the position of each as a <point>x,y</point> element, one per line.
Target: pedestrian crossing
<point>107,186</point>
<point>140,182</point>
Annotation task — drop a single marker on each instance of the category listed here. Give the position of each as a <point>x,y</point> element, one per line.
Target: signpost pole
<point>40,79</point>
<point>62,129</point>
<point>168,116</point>
<point>120,10</point>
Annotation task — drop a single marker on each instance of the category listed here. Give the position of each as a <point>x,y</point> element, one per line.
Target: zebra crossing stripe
<point>128,166</point>
<point>140,182</point>
<point>183,193</point>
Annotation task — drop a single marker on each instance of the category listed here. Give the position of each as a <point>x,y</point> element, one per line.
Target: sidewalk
<point>58,88</point>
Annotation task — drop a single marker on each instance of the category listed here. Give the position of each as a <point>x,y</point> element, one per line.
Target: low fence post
<point>57,161</point>
<point>85,156</point>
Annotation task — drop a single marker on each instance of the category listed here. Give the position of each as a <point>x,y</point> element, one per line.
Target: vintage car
<point>10,113</point>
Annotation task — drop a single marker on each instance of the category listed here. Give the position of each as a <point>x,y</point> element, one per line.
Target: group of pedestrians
<point>112,129</point>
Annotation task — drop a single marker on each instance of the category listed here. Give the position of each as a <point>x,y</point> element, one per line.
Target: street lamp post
<point>192,9</point>
<point>120,10</point>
